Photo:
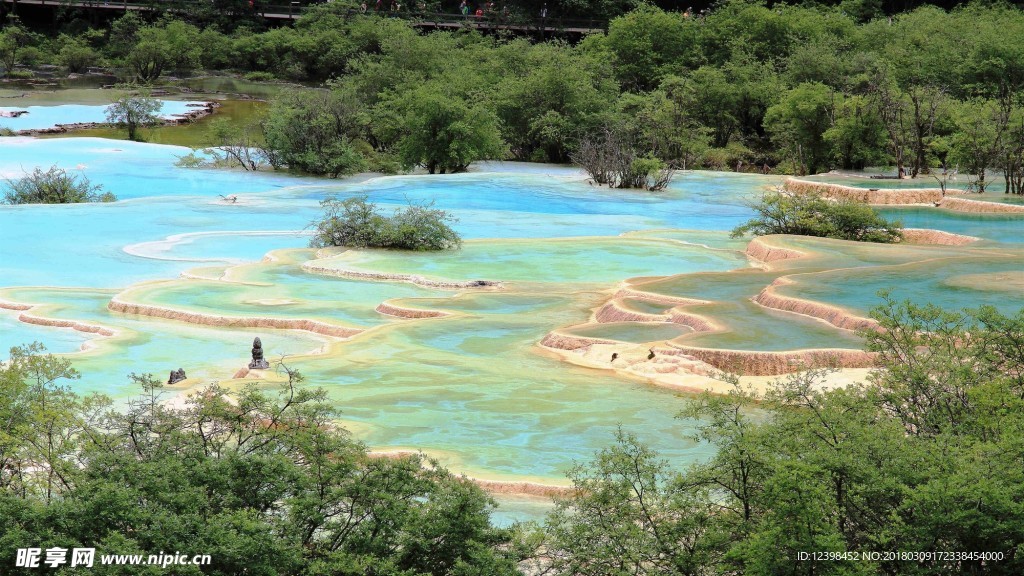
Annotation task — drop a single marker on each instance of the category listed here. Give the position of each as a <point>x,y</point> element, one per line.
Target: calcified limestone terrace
<point>802,281</point>
<point>905,197</point>
<point>417,354</point>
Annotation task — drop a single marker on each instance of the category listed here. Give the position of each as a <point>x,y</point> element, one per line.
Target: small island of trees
<point>781,212</point>
<point>54,186</point>
<point>356,223</point>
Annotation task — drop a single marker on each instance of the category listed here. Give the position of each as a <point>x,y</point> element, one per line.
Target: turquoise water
<point>585,260</point>
<point>144,346</point>
<point>15,333</point>
<point>936,282</point>
<point>472,388</point>
<point>634,332</point>
<point>1004,228</point>
<point>40,117</point>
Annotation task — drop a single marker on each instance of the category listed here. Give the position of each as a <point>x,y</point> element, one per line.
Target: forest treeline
<point>797,89</point>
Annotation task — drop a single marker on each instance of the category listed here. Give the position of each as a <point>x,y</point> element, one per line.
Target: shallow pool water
<point>1005,228</point>
<point>470,385</point>
<point>576,260</point>
<point>41,117</point>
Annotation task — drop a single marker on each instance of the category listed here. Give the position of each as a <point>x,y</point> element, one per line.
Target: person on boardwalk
<point>544,11</point>
<point>464,8</point>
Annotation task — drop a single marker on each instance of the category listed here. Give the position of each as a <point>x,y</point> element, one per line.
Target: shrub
<point>76,55</point>
<point>812,215</point>
<point>54,186</point>
<point>356,223</point>
<point>260,76</point>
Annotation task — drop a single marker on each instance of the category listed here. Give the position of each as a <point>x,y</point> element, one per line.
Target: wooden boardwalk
<point>293,11</point>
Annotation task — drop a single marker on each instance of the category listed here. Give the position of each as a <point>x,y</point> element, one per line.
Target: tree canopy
<point>134,111</point>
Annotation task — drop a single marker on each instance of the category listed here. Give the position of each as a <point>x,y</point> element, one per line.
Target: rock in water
<point>258,362</point>
<point>176,376</point>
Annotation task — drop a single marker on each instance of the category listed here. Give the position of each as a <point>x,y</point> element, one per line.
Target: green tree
<point>798,123</point>
<point>169,45</point>
<point>626,516</point>
<point>981,129</point>
<point>648,44</point>
<point>668,125</point>
<point>12,39</point>
<point>134,111</point>
<point>262,481</point>
<point>918,458</point>
<point>550,96</point>
<point>440,132</point>
<point>316,131</point>
<point>857,136</point>
<point>76,54</point>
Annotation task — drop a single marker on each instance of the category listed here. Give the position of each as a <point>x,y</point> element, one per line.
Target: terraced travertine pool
<point>174,276</point>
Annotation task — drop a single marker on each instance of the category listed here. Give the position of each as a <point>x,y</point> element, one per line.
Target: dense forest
<point>794,89</point>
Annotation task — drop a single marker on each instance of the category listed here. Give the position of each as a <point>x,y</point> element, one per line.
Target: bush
<point>32,56</point>
<point>76,55</point>
<point>356,223</point>
<point>812,215</point>
<point>314,131</point>
<point>54,186</point>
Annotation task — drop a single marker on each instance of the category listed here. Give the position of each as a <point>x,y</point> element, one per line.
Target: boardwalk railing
<point>293,10</point>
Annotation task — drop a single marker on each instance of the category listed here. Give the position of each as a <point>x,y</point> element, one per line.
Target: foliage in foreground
<point>54,186</point>
<point>264,483</point>
<point>924,457</point>
<point>812,215</point>
<point>357,223</point>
